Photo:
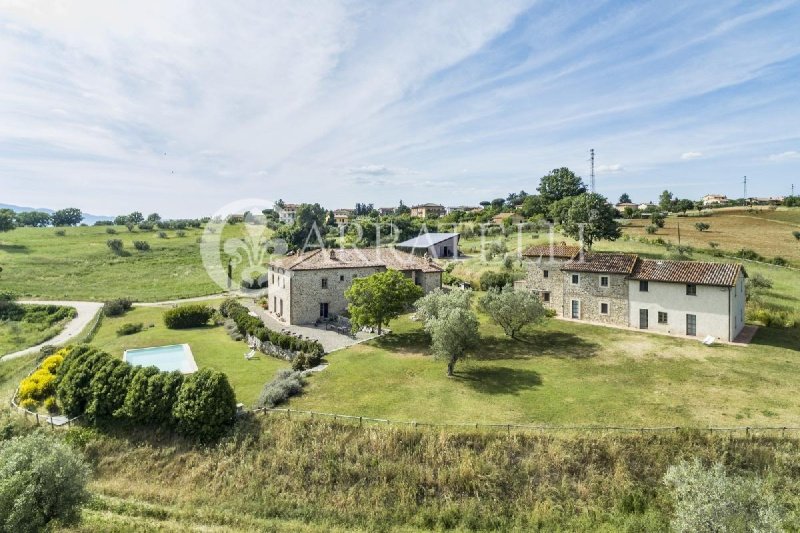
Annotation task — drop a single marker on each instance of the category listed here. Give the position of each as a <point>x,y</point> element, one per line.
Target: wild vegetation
<point>24,325</point>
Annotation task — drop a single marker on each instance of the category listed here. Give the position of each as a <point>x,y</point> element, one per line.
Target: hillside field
<point>38,263</point>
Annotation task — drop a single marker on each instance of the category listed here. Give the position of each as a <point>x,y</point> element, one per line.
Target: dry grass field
<point>768,232</point>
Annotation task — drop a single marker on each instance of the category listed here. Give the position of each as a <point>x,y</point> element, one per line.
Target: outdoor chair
<point>708,341</point>
<point>249,355</point>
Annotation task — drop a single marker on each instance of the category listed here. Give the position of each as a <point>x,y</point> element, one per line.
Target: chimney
<point>332,254</point>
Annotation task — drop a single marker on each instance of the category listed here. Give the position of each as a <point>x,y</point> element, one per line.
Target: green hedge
<point>187,316</point>
<point>251,325</point>
<point>103,388</point>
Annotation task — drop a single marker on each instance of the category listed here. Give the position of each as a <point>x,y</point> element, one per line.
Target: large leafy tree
<point>7,220</point>
<point>34,219</point>
<point>591,218</point>
<point>533,204</point>
<point>665,201</point>
<point>512,310</point>
<point>309,227</point>
<point>41,479</point>
<point>451,324</point>
<point>560,183</point>
<point>624,198</point>
<point>70,216</point>
<point>379,298</point>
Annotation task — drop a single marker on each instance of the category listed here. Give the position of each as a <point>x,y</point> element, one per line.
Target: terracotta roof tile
<point>356,258</point>
<point>560,251</point>
<point>601,262</point>
<point>694,272</point>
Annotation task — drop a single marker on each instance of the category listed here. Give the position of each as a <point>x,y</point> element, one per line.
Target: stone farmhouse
<point>310,286</point>
<point>286,213</point>
<point>676,297</point>
<point>343,216</point>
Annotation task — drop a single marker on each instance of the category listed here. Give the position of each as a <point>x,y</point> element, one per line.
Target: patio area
<point>331,339</point>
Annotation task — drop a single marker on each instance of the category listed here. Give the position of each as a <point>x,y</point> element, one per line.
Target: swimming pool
<point>165,358</point>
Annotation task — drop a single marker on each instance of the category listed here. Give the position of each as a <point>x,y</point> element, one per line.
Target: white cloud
<point>691,155</point>
<point>378,170</point>
<point>785,156</point>
<point>610,169</point>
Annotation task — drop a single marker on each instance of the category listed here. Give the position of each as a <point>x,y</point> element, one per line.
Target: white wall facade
<point>719,311</point>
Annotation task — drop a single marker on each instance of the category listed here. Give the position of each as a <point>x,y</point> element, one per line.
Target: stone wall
<point>590,294</point>
<point>279,293</point>
<point>553,283</point>
<point>307,292</point>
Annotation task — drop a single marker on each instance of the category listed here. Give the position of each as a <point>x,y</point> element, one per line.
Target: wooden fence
<point>362,420</point>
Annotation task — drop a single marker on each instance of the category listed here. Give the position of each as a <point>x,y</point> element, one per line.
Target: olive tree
<point>512,310</point>
<point>451,324</point>
<point>41,479</point>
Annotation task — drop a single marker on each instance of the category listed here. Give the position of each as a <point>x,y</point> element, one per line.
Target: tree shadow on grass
<point>544,344</point>
<point>499,380</point>
<point>409,341</point>
<point>14,248</point>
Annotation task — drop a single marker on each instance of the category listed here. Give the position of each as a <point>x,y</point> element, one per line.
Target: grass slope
<point>79,266</point>
<point>211,346</point>
<point>566,373</point>
<point>38,325</point>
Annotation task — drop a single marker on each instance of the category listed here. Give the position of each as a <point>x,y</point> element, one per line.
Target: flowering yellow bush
<point>52,363</point>
<point>37,386</point>
<point>28,404</point>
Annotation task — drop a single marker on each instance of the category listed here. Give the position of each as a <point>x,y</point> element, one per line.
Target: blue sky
<point>182,107</point>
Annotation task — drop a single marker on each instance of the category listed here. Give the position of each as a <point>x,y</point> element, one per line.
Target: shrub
<point>752,255</point>
<point>129,329</point>
<point>73,383</point>
<point>52,406</point>
<point>109,387</point>
<point>162,234</point>
<point>29,404</point>
<point>180,233</point>
<point>759,281</point>
<point>117,307</point>
<point>796,235</point>
<point>491,279</point>
<point>137,404</point>
<point>287,383</point>
<point>709,500</point>
<point>702,226</point>
<point>60,232</point>
<point>779,261</point>
<point>37,386</point>
<point>508,262</point>
<point>115,245</point>
<point>651,229</point>
<point>227,305</point>
<point>146,226</point>
<point>205,406</point>
<point>250,325</point>
<point>52,363</point>
<point>41,479</point>
<point>162,391</point>
<point>232,329</point>
<point>47,350</point>
<point>714,245</point>
<point>142,246</point>
<point>187,316</point>
<point>111,231</point>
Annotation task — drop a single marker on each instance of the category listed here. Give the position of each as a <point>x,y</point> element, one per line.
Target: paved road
<point>86,312</point>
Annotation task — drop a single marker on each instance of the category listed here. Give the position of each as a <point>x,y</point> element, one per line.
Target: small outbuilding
<point>436,245</point>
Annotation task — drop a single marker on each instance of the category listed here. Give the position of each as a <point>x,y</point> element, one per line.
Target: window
<point>691,290</point>
<point>603,308</point>
<point>341,278</point>
<point>604,281</point>
<point>545,273</point>
<point>643,286</point>
<point>576,279</point>
<point>691,325</point>
<point>662,317</point>
<point>545,296</point>
<point>576,309</point>
<point>324,283</point>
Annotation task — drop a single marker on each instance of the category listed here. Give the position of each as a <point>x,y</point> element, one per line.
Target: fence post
<point>360,421</point>
<point>508,429</point>
<point>52,425</point>
<point>747,431</point>
<point>37,419</point>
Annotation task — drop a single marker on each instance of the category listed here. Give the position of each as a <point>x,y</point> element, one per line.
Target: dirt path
<point>86,313</point>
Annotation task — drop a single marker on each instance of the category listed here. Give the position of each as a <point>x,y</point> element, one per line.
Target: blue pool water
<point>166,358</point>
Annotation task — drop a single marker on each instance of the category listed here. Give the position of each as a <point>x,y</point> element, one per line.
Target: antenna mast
<point>591,158</point>
<point>745,190</point>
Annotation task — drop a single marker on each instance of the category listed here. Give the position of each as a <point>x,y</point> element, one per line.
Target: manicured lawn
<point>211,346</point>
<point>566,373</point>
<point>35,328</point>
<point>79,266</point>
